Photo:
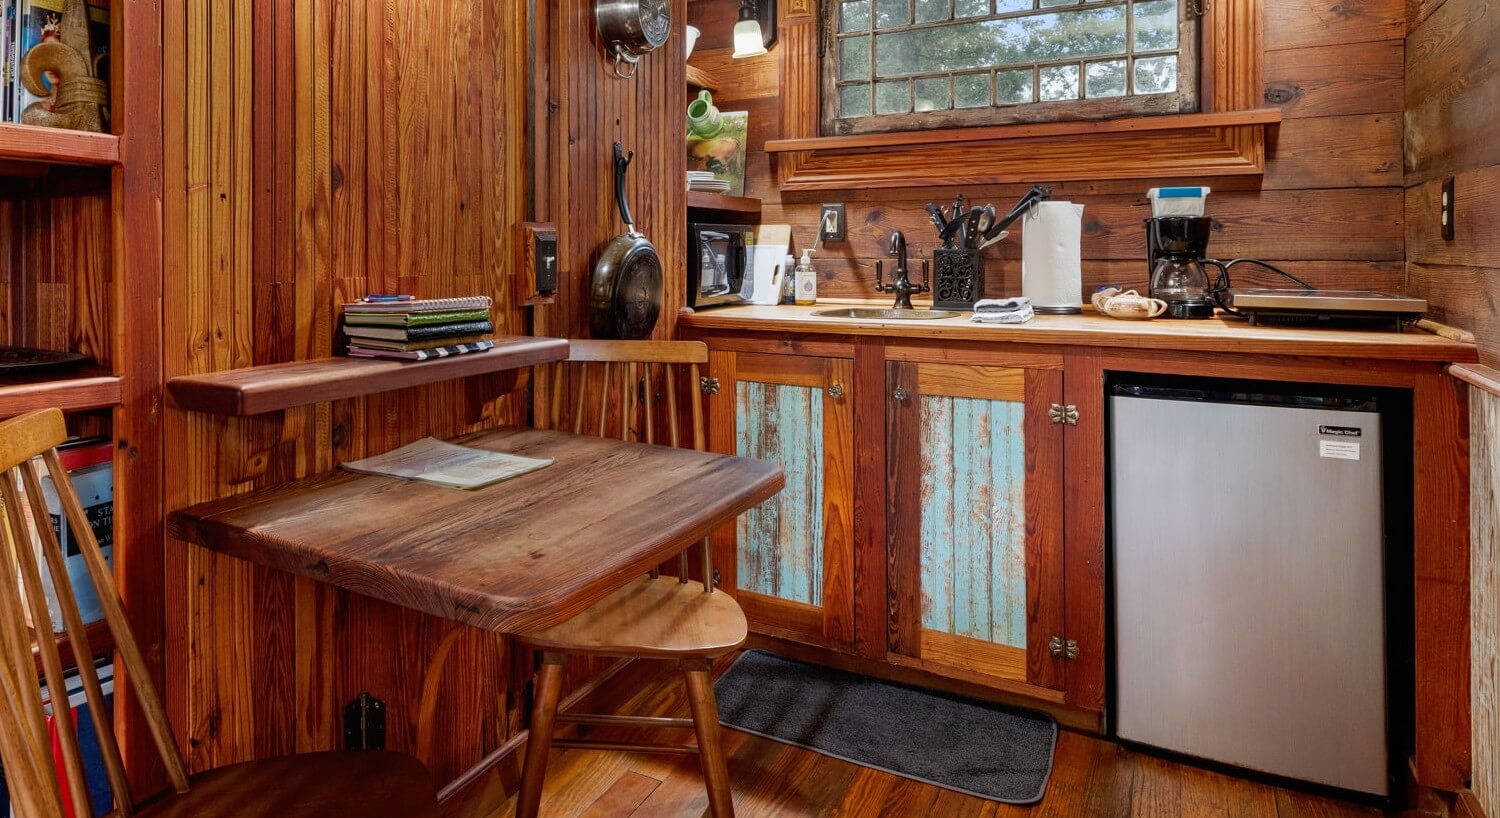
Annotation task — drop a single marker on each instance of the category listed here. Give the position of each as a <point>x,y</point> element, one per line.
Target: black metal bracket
<point>364,723</point>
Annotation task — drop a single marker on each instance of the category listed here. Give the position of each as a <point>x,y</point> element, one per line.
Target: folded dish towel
<point>1002,311</point>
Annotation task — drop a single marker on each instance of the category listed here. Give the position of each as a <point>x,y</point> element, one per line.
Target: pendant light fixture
<point>750,37</point>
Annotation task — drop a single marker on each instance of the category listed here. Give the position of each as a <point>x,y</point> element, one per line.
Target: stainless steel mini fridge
<point>1248,579</point>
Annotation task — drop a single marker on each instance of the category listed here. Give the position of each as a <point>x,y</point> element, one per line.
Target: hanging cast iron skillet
<point>625,292</point>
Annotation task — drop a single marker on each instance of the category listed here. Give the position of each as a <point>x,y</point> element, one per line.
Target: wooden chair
<point>654,617</point>
<point>315,784</point>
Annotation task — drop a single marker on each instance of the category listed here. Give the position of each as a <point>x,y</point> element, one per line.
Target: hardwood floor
<point>1090,778</point>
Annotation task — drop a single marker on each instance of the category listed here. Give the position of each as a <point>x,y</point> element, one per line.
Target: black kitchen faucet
<point>902,286</point>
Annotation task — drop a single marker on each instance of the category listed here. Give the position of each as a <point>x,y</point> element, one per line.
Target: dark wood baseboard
<point>484,788</point>
<point>1086,721</point>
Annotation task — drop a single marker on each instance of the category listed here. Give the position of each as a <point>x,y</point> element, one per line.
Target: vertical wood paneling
<point>1484,511</point>
<point>974,518</point>
<point>318,150</point>
<point>781,541</point>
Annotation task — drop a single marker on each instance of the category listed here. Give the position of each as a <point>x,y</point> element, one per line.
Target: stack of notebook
<point>418,329</point>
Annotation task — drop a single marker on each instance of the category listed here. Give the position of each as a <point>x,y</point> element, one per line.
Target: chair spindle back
<point>30,555</point>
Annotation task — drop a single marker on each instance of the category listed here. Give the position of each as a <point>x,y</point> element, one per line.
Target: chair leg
<point>543,715</point>
<point>700,690</point>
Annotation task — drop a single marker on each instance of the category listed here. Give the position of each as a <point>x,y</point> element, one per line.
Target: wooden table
<point>523,554</point>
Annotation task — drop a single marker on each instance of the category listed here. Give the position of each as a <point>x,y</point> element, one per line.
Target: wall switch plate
<point>1449,209</point>
<point>831,225</point>
<point>537,267</point>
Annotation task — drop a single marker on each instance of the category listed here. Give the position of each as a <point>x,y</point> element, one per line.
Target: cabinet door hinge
<point>1063,648</point>
<point>1064,414</point>
<point>709,386</point>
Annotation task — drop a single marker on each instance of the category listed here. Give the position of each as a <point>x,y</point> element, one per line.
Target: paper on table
<point>445,464</point>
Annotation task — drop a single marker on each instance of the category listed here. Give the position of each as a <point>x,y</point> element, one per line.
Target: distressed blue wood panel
<point>781,540</point>
<point>974,518</point>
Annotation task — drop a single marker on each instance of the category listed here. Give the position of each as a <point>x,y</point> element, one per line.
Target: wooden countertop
<point>1222,334</point>
<point>523,554</point>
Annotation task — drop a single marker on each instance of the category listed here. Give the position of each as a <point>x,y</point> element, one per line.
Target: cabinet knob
<point>898,393</point>
<point>836,391</point>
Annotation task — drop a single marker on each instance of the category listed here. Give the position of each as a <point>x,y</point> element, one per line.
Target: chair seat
<point>369,784</point>
<point>651,617</point>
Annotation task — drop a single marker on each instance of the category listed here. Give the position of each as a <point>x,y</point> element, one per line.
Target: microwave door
<point>718,254</point>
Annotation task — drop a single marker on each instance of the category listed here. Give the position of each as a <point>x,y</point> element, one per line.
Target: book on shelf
<point>90,466</point>
<point>419,305</point>
<point>423,354</point>
<point>77,712</point>
<point>413,319</point>
<point>424,333</point>
<point>413,346</point>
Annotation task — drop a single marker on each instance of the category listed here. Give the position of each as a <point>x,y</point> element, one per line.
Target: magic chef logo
<point>1340,431</point>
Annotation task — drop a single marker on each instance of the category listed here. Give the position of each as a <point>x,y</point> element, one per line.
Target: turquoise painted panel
<point>974,518</point>
<point>781,540</point>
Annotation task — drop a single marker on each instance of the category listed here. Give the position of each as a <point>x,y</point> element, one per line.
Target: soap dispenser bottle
<point>807,281</point>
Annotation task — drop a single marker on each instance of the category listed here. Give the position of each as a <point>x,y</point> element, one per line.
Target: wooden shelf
<point>739,205</point>
<point>57,146</point>
<point>259,389</point>
<point>101,646</point>
<point>698,78</point>
<point>1478,376</point>
<point>80,389</point>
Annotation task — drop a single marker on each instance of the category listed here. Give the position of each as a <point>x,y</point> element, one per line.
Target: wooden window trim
<point>1227,139</point>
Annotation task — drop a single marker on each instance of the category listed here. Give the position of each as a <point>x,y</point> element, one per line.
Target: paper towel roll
<point>1051,269</point>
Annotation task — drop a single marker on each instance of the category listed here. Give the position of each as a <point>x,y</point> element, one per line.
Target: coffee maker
<point>1176,253</point>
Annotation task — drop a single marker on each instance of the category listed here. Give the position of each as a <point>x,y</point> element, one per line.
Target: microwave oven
<point>718,259</point>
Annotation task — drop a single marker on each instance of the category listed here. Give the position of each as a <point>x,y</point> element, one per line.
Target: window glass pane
<point>1093,32</point>
<point>1047,4</point>
<point>1106,79</point>
<point>855,16</point>
<point>892,97</point>
<point>891,13</point>
<point>1013,87</point>
<point>971,90</point>
<point>971,8</point>
<point>854,100</point>
<point>931,94</point>
<point>1003,6</point>
<point>1156,25</point>
<point>854,58</point>
<point>1156,75</point>
<point>931,10</point>
<point>1059,82</point>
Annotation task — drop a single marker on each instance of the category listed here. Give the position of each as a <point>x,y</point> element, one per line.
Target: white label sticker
<point>1338,449</point>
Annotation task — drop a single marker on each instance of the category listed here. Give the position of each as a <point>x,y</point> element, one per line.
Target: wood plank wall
<point>1329,206</point>
<point>1452,125</point>
<point>316,150</point>
<point>1452,120</point>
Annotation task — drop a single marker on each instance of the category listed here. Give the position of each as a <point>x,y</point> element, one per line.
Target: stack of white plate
<point>704,180</point>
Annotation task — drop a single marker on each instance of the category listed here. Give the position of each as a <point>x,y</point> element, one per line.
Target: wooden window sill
<point>1231,143</point>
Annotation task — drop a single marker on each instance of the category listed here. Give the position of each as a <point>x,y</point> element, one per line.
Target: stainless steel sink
<point>885,314</point>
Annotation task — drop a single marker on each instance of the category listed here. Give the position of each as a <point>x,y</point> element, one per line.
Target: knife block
<point>959,280</point>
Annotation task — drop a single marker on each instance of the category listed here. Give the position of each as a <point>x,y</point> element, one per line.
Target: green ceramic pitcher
<point>704,120</point>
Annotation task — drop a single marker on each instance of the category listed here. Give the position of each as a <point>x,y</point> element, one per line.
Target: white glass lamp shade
<point>748,39</point>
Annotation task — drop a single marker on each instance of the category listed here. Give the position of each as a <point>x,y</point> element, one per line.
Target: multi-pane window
<point>904,64</point>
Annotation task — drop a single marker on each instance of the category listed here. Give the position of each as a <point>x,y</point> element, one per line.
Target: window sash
<point>1183,100</point>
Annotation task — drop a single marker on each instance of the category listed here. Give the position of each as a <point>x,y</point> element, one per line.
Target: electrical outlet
<point>831,226</point>
<point>1449,209</point>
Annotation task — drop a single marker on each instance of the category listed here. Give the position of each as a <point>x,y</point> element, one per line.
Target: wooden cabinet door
<point>790,560</point>
<point>974,522</point>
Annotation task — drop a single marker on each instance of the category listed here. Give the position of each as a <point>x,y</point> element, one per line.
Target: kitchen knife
<point>935,211</point>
